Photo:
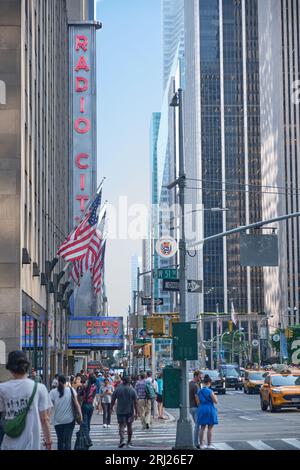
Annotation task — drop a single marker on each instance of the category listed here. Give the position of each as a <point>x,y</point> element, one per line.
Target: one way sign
<point>195,286</point>
<point>147,301</point>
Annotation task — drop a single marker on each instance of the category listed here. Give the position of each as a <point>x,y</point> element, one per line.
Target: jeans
<point>106,413</point>
<point>193,412</point>
<point>64,435</point>
<point>87,413</point>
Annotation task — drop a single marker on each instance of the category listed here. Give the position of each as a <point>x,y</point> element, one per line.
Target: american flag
<point>87,262</point>
<point>76,245</point>
<point>98,268</point>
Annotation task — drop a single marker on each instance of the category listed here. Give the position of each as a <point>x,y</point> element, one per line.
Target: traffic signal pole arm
<point>243,228</point>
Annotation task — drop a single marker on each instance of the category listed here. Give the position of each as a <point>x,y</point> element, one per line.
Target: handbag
<point>14,427</point>
<point>77,415</point>
<point>81,442</point>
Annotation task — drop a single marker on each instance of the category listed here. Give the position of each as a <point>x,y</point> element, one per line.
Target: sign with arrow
<point>147,301</point>
<point>173,286</point>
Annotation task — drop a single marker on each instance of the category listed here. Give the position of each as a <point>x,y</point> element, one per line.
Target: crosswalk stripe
<point>260,445</point>
<point>223,446</point>
<point>293,442</point>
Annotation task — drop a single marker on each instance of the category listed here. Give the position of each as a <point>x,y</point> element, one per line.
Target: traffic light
<point>147,350</point>
<point>288,333</point>
<point>157,325</point>
<point>171,322</point>
<point>230,325</point>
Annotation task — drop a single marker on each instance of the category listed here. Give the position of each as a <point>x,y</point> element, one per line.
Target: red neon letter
<point>82,198</point>
<point>82,104</point>
<point>82,182</point>
<point>81,43</point>
<point>78,163</point>
<point>85,129</point>
<point>82,65</point>
<point>79,87</point>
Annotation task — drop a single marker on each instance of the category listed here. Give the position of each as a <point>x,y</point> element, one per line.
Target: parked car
<point>218,381</point>
<point>280,391</point>
<point>232,375</point>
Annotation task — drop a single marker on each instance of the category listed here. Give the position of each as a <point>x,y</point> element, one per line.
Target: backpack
<point>14,427</point>
<point>89,394</point>
<point>150,392</point>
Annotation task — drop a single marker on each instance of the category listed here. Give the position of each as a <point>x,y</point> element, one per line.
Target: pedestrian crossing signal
<point>147,350</point>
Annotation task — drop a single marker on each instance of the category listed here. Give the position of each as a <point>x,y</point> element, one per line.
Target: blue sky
<point>129,59</point>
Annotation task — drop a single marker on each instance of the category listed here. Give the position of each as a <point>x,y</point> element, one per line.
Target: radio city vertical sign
<point>83,128</point>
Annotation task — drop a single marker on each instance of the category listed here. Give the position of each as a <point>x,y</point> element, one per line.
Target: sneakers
<point>129,444</point>
<point>202,446</point>
<point>105,425</point>
<point>108,425</point>
<point>121,445</point>
<point>211,447</point>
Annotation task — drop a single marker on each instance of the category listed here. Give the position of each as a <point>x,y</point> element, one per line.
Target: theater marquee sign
<point>83,141</point>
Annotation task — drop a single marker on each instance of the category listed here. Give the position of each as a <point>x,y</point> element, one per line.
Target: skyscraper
<point>172,34</point>
<point>222,132</point>
<point>279,49</point>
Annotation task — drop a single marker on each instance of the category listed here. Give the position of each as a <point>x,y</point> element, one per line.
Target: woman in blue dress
<point>207,413</point>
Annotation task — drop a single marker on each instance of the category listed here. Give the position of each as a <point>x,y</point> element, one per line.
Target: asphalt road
<point>241,420</point>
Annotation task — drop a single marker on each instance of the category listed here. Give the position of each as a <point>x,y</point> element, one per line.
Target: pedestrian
<point>194,402</point>
<point>127,411</point>
<point>88,394</point>
<point>159,398</point>
<point>62,398</point>
<point>151,393</point>
<point>117,381</point>
<point>152,380</point>
<point>144,403</point>
<point>34,376</point>
<point>207,415</point>
<point>106,392</point>
<point>99,383</point>
<point>55,381</point>
<point>14,397</point>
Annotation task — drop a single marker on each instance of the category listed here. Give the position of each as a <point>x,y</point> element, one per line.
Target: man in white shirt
<point>14,396</point>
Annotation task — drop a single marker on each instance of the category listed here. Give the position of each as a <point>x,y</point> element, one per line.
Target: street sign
<point>173,286</point>
<point>167,273</point>
<point>81,352</point>
<point>276,338</point>
<point>255,343</point>
<point>195,286</point>
<point>142,341</point>
<point>166,247</point>
<point>147,301</point>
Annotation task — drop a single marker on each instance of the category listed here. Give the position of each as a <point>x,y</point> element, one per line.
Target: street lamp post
<point>184,432</point>
<point>240,330</point>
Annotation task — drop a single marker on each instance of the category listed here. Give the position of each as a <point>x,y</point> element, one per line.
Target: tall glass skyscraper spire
<point>172,34</point>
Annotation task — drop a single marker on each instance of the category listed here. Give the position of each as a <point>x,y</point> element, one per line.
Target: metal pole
<point>153,365</point>
<point>218,337</point>
<point>184,432</point>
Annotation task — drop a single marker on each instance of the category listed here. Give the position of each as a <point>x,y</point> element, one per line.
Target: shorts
<point>159,398</point>
<point>125,419</point>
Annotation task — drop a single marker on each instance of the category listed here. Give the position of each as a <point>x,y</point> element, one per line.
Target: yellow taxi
<point>253,380</point>
<point>280,391</point>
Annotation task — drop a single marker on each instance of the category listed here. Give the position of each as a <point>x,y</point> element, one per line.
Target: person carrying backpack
<point>25,405</point>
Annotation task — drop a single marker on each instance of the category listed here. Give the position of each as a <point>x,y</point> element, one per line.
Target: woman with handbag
<point>66,410</point>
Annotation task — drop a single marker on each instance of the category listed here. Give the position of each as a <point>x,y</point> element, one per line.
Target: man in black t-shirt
<point>194,403</point>
<point>126,409</point>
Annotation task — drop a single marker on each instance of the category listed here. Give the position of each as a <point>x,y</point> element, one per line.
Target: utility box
<point>185,341</point>
<point>171,391</point>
